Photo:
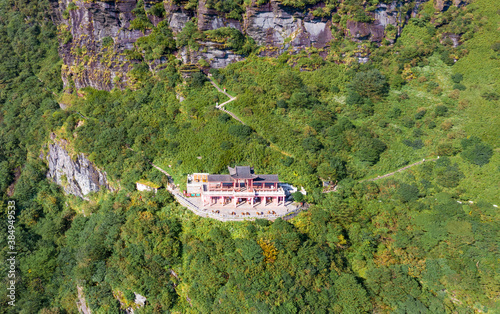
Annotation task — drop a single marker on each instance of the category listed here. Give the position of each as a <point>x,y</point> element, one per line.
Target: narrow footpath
<point>399,170</point>
<point>221,106</point>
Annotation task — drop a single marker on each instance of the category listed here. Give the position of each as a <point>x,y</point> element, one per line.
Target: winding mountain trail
<point>221,106</point>
<point>221,91</point>
<point>399,170</point>
<point>231,98</point>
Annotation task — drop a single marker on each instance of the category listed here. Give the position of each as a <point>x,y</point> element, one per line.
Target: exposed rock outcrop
<point>95,35</point>
<point>395,13</point>
<point>366,31</point>
<point>78,177</point>
<point>278,28</point>
<point>177,16</point>
<point>454,39</point>
<point>443,5</point>
<point>214,53</point>
<point>81,303</point>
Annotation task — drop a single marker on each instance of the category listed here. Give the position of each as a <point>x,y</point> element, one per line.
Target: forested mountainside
<point>341,91</point>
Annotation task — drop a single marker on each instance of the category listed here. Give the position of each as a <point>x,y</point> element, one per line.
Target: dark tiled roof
<point>219,178</point>
<point>244,172</point>
<point>266,178</point>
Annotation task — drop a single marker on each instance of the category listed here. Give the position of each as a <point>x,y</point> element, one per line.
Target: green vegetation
<point>141,21</point>
<point>158,10</point>
<point>233,8</point>
<point>157,44</point>
<point>422,240</point>
<point>189,36</point>
<point>233,39</point>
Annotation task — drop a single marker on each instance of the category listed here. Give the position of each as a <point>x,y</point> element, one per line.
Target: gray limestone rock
<point>214,53</point>
<point>274,27</point>
<point>78,177</point>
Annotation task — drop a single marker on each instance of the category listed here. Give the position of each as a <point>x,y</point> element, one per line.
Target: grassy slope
<point>481,69</point>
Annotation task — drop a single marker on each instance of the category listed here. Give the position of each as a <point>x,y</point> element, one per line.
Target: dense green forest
<point>422,241</point>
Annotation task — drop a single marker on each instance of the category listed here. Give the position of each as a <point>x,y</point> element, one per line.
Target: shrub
<point>407,192</point>
<point>129,295</point>
<point>299,100</point>
<point>476,152</point>
<point>312,144</point>
<point>189,35</point>
<point>298,197</point>
<point>446,149</point>
<point>459,87</point>
<point>141,21</point>
<point>457,78</point>
<point>454,94</point>
<point>203,63</point>
<point>225,145</point>
<point>107,41</point>
<point>448,175</point>
<point>441,110</point>
<point>287,162</point>
<point>496,46</point>
<point>234,39</point>
<point>382,123</point>
<point>418,132</point>
<point>420,114</point>
<point>354,98</point>
<point>370,84</point>
<point>282,104</point>
<point>416,144</point>
<point>491,96</point>
<point>240,130</point>
<point>408,123</point>
<point>224,117</point>
<point>217,75</point>
<point>394,113</point>
<point>158,10</point>
<point>198,79</point>
<point>338,168</point>
<point>371,150</point>
<point>446,125</point>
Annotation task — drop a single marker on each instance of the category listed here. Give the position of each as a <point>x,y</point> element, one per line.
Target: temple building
<point>240,187</point>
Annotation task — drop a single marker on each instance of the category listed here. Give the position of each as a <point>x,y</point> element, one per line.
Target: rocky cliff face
<point>78,177</point>
<point>279,28</point>
<point>95,35</point>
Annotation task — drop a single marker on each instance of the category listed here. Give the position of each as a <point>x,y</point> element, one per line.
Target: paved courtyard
<point>244,207</point>
<point>243,211</point>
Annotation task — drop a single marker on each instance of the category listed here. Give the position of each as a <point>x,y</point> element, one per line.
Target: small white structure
<point>146,186</point>
<point>303,191</point>
<point>195,183</point>
<point>139,299</point>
